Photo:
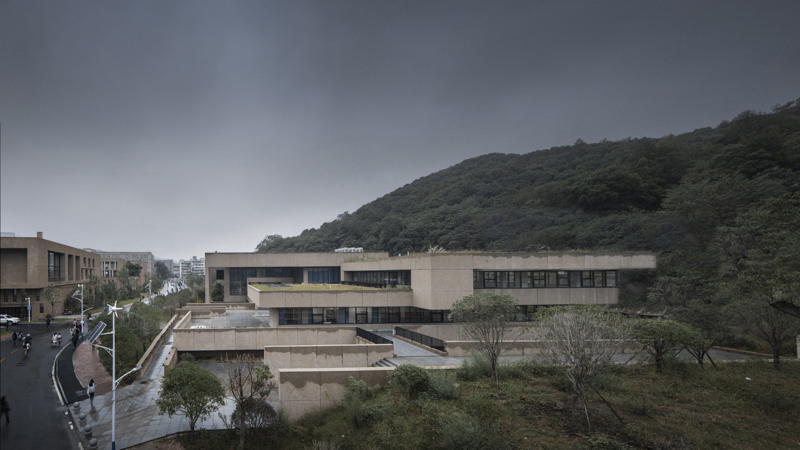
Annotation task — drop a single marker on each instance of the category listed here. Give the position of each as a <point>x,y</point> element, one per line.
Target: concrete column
<point>274,318</point>
<point>305,275</point>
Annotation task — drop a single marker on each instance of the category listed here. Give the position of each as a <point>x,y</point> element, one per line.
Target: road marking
<point>14,351</point>
<point>1,360</point>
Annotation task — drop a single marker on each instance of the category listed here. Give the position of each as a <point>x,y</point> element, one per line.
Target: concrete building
<point>112,262</point>
<point>416,288</point>
<point>194,265</point>
<point>29,265</point>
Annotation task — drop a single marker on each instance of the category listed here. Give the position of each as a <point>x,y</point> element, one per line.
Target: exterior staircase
<point>385,362</point>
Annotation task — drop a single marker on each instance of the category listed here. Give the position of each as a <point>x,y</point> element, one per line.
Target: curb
<point>742,352</point>
<point>56,380</point>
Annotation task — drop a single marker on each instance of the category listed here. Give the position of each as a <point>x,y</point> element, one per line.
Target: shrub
<point>361,415</point>
<point>474,368</point>
<point>442,385</point>
<point>466,433</point>
<point>410,380</point>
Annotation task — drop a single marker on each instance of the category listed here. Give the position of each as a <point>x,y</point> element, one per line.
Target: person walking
<point>4,409</point>
<point>48,323</point>
<point>74,340</point>
<point>14,339</point>
<point>91,391</point>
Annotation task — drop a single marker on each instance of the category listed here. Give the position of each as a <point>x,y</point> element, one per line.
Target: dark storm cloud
<point>180,126</point>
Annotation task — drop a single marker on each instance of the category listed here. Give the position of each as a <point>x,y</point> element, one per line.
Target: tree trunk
<point>241,428</point>
<point>191,432</point>
<point>776,356</point>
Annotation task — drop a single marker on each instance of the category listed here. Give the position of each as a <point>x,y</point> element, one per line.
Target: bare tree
<point>583,341</point>
<point>250,384</point>
<point>486,318</point>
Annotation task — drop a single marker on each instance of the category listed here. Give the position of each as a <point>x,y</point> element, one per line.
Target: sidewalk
<point>138,419</point>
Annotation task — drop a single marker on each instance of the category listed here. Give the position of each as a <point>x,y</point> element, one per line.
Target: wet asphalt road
<point>38,421</point>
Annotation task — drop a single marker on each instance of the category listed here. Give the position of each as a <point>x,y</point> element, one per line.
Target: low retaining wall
<point>202,310</point>
<point>172,360</point>
<point>452,331</point>
<point>184,321</point>
<point>155,346</point>
<point>519,348</point>
<point>186,339</point>
<point>325,356</point>
<point>306,390</point>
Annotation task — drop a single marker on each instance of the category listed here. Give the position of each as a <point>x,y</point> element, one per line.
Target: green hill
<point>634,194</point>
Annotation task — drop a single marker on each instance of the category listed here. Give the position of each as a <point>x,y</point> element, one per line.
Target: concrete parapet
<point>155,346</point>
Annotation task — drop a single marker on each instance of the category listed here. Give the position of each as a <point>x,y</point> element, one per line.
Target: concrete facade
<point>25,272</point>
<point>430,282</point>
<point>306,390</point>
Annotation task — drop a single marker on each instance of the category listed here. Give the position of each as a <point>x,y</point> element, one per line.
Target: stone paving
<point>138,419</point>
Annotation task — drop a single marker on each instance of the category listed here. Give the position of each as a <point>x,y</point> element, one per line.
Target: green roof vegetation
<point>312,287</point>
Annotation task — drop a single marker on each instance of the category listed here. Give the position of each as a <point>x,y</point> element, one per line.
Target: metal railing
<point>372,337</point>
<point>423,339</point>
<point>54,279</point>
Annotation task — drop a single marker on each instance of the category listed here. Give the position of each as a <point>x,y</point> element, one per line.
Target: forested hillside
<point>634,194</point>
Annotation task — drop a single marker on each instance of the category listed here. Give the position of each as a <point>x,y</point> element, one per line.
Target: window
<point>490,279</point>
<point>574,279</point>
<point>238,280</point>
<point>525,281</point>
<point>41,308</point>
<point>323,275</point>
<point>54,267</point>
<point>587,279</point>
<point>539,279</point>
<point>5,295</point>
<point>317,316</point>
<point>611,278</point>
<point>220,274</point>
<point>437,316</point>
<point>394,314</point>
<point>361,315</point>
<point>563,279</point>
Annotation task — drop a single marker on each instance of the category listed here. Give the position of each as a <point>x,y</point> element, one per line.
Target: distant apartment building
<point>194,265</point>
<point>176,269</point>
<point>29,265</point>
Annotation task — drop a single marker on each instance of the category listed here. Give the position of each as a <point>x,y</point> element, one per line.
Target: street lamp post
<point>112,351</point>
<point>75,296</point>
<point>29,308</point>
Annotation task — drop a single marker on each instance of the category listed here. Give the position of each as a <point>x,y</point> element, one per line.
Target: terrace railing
<point>423,339</point>
<point>372,337</point>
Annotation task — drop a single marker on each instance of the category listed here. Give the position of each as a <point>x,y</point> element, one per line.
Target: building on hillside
<point>417,288</point>
<point>176,269</point>
<point>29,265</point>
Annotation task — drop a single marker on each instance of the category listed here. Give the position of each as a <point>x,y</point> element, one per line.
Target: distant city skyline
<point>191,127</point>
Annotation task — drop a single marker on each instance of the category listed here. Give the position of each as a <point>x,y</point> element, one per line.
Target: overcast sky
<point>185,127</point>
